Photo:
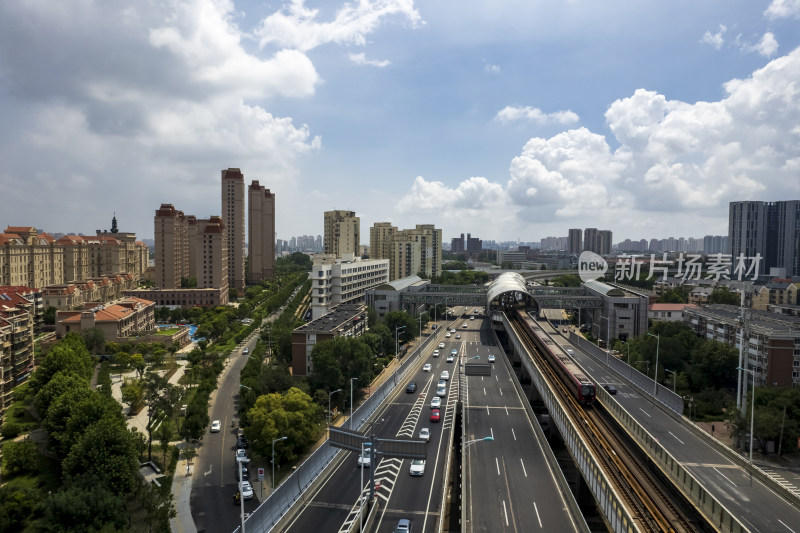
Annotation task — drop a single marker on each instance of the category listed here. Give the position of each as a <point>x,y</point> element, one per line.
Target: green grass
<point>170,331</point>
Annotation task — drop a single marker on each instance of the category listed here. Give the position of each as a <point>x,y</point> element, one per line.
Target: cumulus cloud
<point>766,46</point>
<point>361,59</point>
<point>715,39</point>
<point>535,115</point>
<point>779,9</point>
<point>490,68</point>
<point>672,158</point>
<point>295,26</point>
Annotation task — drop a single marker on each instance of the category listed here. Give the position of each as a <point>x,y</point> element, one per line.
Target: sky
<point>509,120</point>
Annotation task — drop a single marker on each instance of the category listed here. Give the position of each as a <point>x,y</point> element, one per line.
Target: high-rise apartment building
<point>575,241</point>
<point>457,244</point>
<point>208,247</point>
<point>769,229</point>
<point>233,210</point>
<point>380,240</point>
<point>261,226</point>
<point>342,233</point>
<point>337,281</point>
<point>474,244</point>
<point>415,251</point>
<point>172,247</point>
<point>605,242</point>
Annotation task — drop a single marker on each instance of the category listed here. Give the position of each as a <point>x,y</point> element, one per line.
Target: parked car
<point>245,472</point>
<point>241,442</point>
<point>216,426</point>
<point>246,490</point>
<point>417,467</point>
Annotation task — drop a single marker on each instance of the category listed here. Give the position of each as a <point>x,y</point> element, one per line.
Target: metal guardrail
<point>669,399</point>
<point>612,507</point>
<point>714,512</point>
<point>290,491</point>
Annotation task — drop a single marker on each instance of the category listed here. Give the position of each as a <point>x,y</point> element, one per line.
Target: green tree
<point>566,280</point>
<point>293,415</point>
<point>68,355</point>
<point>20,457</point>
<point>676,295</point>
<point>55,422</point>
<point>17,505</point>
<point>713,364</point>
<point>59,383</point>
<point>107,452</point>
<point>723,295</point>
<point>95,340</point>
<point>159,507</point>
<point>156,398</point>
<point>85,506</point>
<point>49,316</point>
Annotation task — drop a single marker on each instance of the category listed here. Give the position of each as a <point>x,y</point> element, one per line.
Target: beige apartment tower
<point>261,236</point>
<point>415,251</point>
<point>380,240</point>
<point>233,217</point>
<point>342,233</point>
<point>208,247</point>
<point>172,247</point>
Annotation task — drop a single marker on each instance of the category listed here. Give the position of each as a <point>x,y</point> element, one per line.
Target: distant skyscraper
<point>342,233</point>
<point>605,242</point>
<point>474,244</point>
<point>771,229</point>
<point>172,247</point>
<point>233,217</point>
<point>261,231</point>
<point>575,241</point>
<point>457,244</point>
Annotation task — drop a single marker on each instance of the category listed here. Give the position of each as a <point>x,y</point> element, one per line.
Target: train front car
<point>586,393</point>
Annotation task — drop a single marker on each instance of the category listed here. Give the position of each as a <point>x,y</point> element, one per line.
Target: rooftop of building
<point>670,307</point>
<point>337,317</point>
<point>767,322</point>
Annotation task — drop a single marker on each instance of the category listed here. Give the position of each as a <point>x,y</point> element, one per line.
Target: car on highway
<point>447,334</point>
<point>246,490</point>
<point>441,345</point>
<point>445,375</point>
<point>454,352</point>
<point>216,426</point>
<point>452,331</point>
<point>450,358</point>
<point>403,526</point>
<point>441,391</point>
<point>246,351</point>
<point>491,358</point>
<point>442,383</point>
<point>472,318</point>
<point>464,325</point>
<point>417,467</point>
<point>436,402</point>
<point>426,367</point>
<point>424,434</point>
<point>436,353</point>
<point>366,459</point>
<point>411,387</point>
<point>610,388</point>
<point>435,415</point>
<point>458,335</point>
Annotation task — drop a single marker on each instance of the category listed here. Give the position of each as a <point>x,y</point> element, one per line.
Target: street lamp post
<point>239,461</point>
<point>608,338</point>
<point>273,459</point>
<point>674,377</point>
<point>752,409</point>
<point>396,351</point>
<point>473,441</point>
<point>691,399</point>
<point>655,372</point>
<point>329,404</point>
<point>351,402</point>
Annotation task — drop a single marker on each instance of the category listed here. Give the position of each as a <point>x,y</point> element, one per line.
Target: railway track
<point>652,501</point>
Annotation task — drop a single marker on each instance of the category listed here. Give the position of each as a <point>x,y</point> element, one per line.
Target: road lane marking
<point>539,518</point>
<point>726,477</point>
<point>505,512</point>
<point>523,467</point>
<point>513,434</point>
<point>784,525</point>
<point>677,439</point>
<point>645,412</point>
<point>497,464</point>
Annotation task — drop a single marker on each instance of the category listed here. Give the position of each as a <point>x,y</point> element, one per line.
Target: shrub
<point>11,430</point>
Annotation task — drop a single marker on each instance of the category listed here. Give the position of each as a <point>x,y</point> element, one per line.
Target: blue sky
<point>507,120</point>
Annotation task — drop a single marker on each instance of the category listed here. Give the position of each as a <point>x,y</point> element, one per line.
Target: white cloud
<point>674,159</point>
<point>766,47</point>
<point>361,59</point>
<point>535,115</point>
<point>492,69</point>
<point>715,39</point>
<point>779,9</point>
<point>295,26</point>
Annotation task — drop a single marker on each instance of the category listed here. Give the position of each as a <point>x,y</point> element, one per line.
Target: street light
<point>674,377</point>
<point>329,404</point>
<point>608,337</point>
<point>398,328</point>
<point>752,409</point>
<point>473,441</point>
<point>655,372</point>
<point>273,460</point>
<point>629,351</point>
<point>239,461</point>
<point>691,399</point>
<point>351,402</point>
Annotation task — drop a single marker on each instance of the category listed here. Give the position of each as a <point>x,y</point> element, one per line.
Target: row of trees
<point>88,439</point>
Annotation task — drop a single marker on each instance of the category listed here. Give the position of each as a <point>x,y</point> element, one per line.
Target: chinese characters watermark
<point>690,266</point>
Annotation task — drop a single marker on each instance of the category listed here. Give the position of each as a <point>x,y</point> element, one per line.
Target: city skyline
<point>506,121</point>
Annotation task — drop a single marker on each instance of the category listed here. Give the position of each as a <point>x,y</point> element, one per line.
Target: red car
<point>435,415</point>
